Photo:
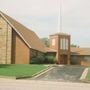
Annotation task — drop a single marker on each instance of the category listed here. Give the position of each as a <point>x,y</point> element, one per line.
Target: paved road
<point>64,73</point>
<point>6,84</point>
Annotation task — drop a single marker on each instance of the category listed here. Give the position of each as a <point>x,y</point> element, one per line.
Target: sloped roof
<point>74,51</point>
<point>80,51</point>
<point>50,50</point>
<point>30,37</point>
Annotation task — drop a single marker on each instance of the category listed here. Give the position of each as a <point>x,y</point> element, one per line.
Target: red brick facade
<point>62,55</point>
<point>20,51</point>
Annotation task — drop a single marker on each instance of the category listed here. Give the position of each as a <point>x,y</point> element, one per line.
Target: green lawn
<point>88,75</point>
<point>20,70</point>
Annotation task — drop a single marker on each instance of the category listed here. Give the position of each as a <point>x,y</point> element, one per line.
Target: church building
<point>19,44</point>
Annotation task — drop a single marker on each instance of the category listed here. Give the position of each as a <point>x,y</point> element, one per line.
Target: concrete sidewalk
<point>8,84</point>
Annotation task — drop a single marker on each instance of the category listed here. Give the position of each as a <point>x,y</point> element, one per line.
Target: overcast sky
<point>41,16</point>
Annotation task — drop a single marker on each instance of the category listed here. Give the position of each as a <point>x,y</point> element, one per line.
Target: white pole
<point>59,16</point>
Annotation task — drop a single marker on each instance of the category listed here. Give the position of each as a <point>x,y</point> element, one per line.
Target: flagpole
<point>60,16</point>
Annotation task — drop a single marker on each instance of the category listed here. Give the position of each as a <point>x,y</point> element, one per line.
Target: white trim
<point>15,29</point>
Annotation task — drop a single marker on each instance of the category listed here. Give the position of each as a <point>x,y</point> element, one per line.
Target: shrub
<point>43,59</point>
<point>38,59</point>
<point>74,62</point>
<point>49,59</point>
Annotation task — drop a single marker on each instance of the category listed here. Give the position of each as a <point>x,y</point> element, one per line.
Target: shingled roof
<point>29,37</point>
<point>80,51</point>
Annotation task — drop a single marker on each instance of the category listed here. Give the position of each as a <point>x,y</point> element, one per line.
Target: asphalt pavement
<point>63,73</point>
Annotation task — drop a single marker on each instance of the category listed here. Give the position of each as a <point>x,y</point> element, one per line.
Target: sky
<point>42,16</point>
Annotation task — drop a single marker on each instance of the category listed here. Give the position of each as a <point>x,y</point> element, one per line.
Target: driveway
<point>41,85</point>
<point>63,73</point>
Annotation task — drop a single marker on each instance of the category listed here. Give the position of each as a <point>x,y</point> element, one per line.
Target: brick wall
<point>85,63</point>
<point>5,42</point>
<point>20,51</point>
<point>55,43</point>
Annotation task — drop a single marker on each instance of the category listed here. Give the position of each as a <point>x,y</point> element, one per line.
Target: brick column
<point>68,57</point>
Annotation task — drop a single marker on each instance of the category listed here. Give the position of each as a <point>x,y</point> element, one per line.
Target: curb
<point>7,77</point>
<point>83,76</point>
<point>23,77</point>
<point>42,73</point>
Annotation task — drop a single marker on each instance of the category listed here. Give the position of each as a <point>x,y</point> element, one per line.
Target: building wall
<point>80,60</point>
<point>55,43</point>
<point>13,49</point>
<point>20,51</point>
<point>5,42</point>
<point>54,39</point>
<point>85,63</point>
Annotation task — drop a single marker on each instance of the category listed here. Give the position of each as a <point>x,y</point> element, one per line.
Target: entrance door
<point>63,59</point>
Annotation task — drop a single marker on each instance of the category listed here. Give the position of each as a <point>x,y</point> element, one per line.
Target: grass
<point>20,70</point>
<point>88,75</point>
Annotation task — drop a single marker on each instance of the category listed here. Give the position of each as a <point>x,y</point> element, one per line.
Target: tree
<point>45,41</point>
<point>73,45</point>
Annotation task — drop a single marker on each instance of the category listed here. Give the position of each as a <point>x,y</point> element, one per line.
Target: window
<point>66,43</point>
<point>63,43</point>
<point>53,42</point>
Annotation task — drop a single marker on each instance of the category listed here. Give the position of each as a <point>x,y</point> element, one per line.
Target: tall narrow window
<point>53,42</point>
<point>66,43</point>
<point>61,43</point>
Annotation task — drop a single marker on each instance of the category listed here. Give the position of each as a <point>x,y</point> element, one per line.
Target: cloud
<point>42,17</point>
<point>30,7</point>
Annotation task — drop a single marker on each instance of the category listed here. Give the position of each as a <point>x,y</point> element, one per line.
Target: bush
<point>38,59</point>
<point>74,62</point>
<point>43,59</point>
<point>49,59</point>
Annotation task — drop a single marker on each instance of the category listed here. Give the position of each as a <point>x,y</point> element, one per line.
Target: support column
<point>58,50</point>
<point>68,58</point>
